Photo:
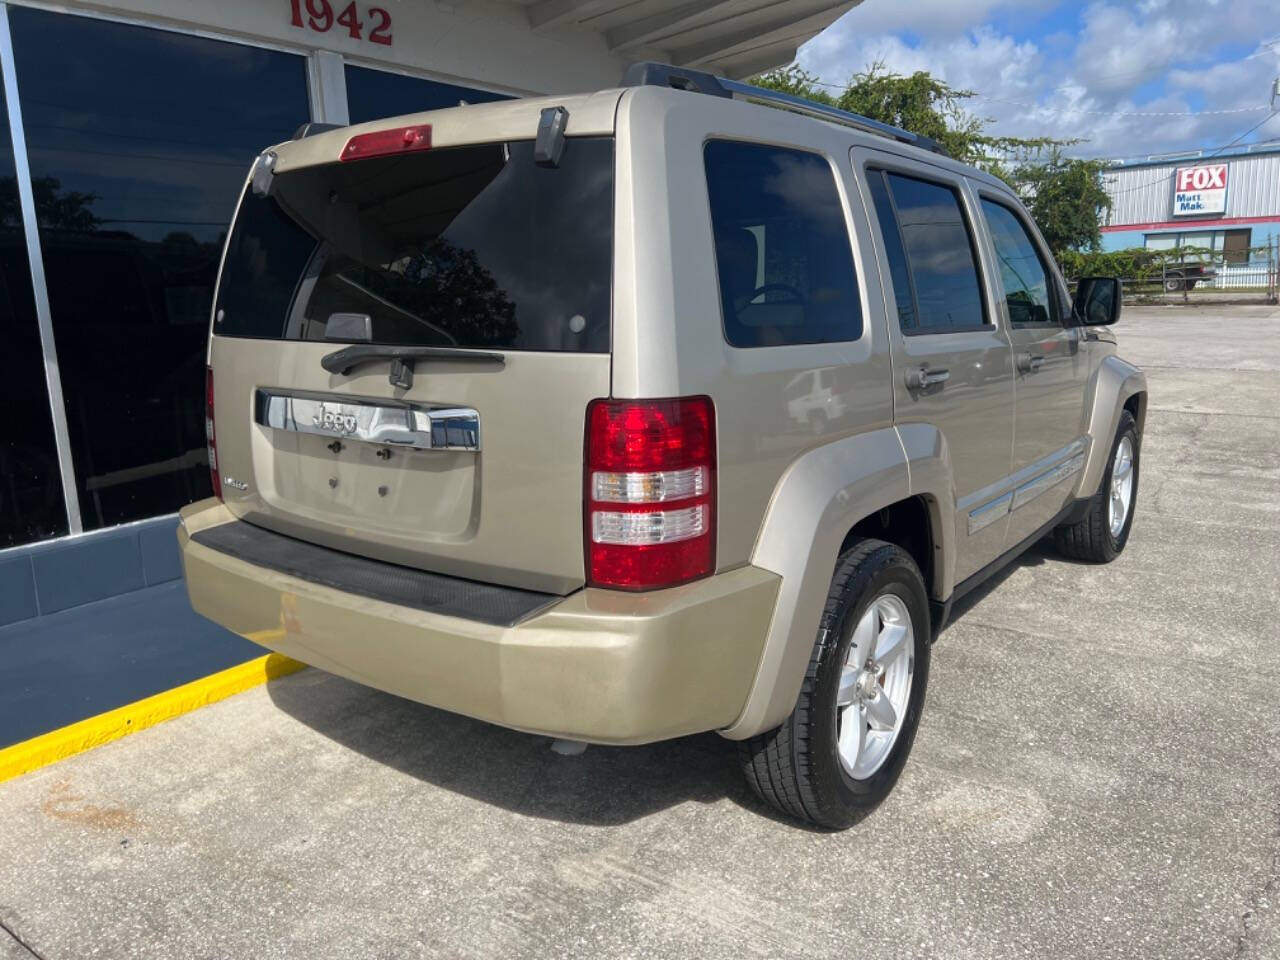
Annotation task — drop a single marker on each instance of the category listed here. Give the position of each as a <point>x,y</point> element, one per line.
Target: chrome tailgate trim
<point>387,424</point>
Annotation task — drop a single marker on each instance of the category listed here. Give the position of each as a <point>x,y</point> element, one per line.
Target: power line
<point>1121,113</point>
<point>1169,176</point>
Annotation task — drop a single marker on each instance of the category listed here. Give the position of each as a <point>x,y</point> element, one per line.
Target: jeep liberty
<point>678,407</point>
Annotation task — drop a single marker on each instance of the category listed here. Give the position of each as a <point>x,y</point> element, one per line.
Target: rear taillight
<point>209,433</point>
<point>650,492</point>
<point>383,143</point>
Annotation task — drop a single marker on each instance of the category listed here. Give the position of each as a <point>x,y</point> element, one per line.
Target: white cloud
<point>1149,57</point>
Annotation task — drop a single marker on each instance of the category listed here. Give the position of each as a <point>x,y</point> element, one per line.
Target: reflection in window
<point>782,247</point>
<point>1022,273</point>
<point>476,246</point>
<point>139,141</point>
<point>894,251</point>
<point>939,248</point>
<point>373,94</point>
<point>31,504</point>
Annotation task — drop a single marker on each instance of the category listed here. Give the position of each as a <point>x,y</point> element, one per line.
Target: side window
<point>895,252</point>
<point>931,253</point>
<point>1027,282</point>
<point>783,256</point>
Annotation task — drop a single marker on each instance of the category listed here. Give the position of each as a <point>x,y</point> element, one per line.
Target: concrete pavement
<point>1097,775</point>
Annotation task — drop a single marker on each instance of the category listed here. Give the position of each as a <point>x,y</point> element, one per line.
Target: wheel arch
<point>1117,386</point>
<point>858,486</point>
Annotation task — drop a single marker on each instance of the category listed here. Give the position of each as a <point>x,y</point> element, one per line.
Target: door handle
<point>920,378</point>
<point>1030,362</point>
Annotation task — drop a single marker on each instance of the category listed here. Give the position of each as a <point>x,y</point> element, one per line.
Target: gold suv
<point>652,411</point>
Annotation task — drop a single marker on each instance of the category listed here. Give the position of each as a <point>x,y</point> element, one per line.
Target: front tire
<point>1100,536</point>
<point>845,743</point>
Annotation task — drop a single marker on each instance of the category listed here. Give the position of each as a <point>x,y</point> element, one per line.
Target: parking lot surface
<point>1097,775</point>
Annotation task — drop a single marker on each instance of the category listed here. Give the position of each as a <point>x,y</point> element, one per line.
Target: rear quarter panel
<point>668,332</point>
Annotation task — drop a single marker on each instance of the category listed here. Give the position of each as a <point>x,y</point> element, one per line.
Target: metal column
<point>27,202</point>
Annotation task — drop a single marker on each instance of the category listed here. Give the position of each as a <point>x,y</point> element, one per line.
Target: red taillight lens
<point>386,142</point>
<point>650,492</point>
<point>209,434</point>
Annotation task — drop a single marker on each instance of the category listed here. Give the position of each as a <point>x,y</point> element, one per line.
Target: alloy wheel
<point>1121,487</point>
<point>875,686</point>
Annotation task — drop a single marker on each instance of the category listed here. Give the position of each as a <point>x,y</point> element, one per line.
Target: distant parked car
<point>1185,276</point>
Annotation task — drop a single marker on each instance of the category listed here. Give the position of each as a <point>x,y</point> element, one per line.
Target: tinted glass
<point>31,506</point>
<point>1025,280</point>
<point>139,141</point>
<point>782,247</point>
<point>894,251</point>
<point>939,249</point>
<point>373,94</point>
<point>466,246</point>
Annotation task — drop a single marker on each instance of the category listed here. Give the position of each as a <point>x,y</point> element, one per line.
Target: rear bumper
<point>598,665</point>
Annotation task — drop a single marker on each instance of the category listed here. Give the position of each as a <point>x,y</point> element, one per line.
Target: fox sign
<point>1200,191</point>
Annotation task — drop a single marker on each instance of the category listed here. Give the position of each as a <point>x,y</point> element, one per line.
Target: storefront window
<point>1231,245</point>
<point>31,505</point>
<point>373,94</point>
<point>139,141</point>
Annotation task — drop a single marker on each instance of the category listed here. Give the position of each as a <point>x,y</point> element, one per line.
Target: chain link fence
<point>1199,275</point>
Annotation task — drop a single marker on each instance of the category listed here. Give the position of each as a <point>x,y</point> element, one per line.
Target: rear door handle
<point>1030,362</point>
<point>919,378</point>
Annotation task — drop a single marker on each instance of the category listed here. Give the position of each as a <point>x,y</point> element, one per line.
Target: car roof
<point>590,114</point>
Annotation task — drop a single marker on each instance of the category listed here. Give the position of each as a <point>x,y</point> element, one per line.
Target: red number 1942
<point>320,18</point>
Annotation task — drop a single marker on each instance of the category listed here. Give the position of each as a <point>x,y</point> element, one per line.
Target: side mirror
<point>1097,301</point>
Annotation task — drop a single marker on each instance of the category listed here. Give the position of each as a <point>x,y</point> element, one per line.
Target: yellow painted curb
<point>95,731</point>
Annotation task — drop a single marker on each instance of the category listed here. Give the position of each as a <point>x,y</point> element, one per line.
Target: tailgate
<point>493,273</point>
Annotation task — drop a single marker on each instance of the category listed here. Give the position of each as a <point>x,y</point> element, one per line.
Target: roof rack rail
<point>651,74</point>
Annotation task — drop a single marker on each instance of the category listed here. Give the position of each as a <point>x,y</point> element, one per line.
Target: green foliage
<point>1138,263</point>
<point>920,103</point>
<point>795,81</point>
<point>1066,198</point>
<point>1135,263</point>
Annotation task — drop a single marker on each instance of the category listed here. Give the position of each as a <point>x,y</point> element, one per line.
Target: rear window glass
<point>783,256</point>
<point>466,246</point>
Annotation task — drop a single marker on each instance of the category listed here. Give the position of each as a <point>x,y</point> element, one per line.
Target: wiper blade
<point>402,359</point>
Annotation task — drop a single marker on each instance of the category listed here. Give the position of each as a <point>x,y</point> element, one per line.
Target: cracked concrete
<point>1097,775</point>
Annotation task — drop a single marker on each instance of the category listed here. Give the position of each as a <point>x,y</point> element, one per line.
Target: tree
<point>1065,195</point>
<point>920,103</point>
<point>1066,198</point>
<point>56,208</point>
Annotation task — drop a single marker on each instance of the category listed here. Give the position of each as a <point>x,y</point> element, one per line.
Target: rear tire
<point>808,767</point>
<point>1098,538</point>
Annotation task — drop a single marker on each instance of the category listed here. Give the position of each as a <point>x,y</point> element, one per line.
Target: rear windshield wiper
<point>402,359</point>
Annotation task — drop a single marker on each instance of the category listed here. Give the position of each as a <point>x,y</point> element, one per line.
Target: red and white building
<point>1228,202</point>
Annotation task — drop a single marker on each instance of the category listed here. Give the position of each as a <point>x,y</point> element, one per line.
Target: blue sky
<point>1128,78</point>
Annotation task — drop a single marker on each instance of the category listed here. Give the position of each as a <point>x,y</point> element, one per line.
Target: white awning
<point>734,38</point>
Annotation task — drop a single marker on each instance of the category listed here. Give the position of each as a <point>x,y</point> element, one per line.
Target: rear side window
<point>931,254</point>
<point>1023,274</point>
<point>783,256</point>
<point>474,246</point>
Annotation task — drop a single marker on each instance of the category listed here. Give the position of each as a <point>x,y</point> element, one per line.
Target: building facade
<point>126,129</point>
<point>1227,202</point>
